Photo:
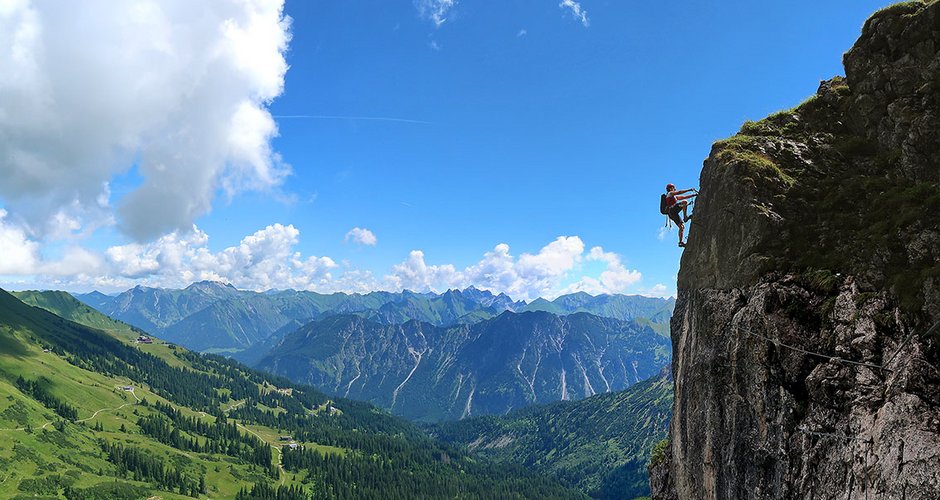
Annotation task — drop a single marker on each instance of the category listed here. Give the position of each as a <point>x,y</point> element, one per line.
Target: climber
<point>675,203</point>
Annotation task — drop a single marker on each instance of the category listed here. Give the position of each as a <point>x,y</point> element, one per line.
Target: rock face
<point>803,356</point>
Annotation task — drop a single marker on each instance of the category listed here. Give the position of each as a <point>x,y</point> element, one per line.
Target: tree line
<point>37,389</point>
<point>172,428</point>
<point>140,465</point>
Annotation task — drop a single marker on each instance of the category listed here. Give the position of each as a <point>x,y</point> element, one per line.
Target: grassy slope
<point>74,454</point>
<point>66,306</point>
<point>40,453</point>
<point>601,443</point>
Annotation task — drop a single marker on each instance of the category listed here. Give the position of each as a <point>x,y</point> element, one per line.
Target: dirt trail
<point>93,415</point>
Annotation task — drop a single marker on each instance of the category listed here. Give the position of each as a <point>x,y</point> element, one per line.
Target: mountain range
<point>426,356</point>
<point>622,307</point>
<point>215,317</point>
<point>431,373</point>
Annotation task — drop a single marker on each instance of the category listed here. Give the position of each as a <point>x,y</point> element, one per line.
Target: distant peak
<point>211,284</point>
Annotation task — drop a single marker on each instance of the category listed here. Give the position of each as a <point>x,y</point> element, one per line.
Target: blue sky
<point>450,127</point>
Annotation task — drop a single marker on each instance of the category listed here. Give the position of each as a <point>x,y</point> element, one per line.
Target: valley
<point>452,356</point>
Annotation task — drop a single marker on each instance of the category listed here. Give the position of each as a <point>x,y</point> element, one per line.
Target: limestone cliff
<point>804,363</point>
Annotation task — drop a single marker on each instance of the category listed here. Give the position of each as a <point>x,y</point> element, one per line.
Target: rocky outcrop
<point>894,73</point>
<point>803,359</point>
<point>660,478</point>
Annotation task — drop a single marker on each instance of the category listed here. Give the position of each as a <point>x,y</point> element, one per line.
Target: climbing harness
<point>668,223</point>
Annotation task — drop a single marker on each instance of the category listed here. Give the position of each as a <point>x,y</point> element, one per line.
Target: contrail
<point>368,118</point>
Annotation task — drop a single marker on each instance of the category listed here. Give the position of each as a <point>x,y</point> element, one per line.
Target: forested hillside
<point>602,444</point>
<point>88,413</point>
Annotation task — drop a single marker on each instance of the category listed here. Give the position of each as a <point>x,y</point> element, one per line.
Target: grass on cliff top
<point>903,7</point>
<point>739,152</point>
<point>850,211</point>
<point>745,150</point>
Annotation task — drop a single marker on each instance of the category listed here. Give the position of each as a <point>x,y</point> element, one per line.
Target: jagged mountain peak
<point>210,315</point>
<point>210,285</point>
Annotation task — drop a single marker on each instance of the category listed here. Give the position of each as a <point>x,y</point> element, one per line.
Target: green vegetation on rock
<point>843,200</point>
<point>659,453</point>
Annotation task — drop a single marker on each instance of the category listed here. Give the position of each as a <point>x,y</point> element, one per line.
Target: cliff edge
<point>804,358</point>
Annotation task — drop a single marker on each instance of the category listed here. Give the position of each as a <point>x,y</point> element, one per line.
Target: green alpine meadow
<point>89,412</point>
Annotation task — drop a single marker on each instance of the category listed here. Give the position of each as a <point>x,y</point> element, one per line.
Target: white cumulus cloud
<point>526,277</point>
<point>361,236</point>
<point>616,278</point>
<point>178,88</point>
<point>414,274</point>
<point>18,255</point>
<point>269,258</point>
<point>577,11</point>
<point>75,263</point>
<point>658,290</point>
<point>262,260</point>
